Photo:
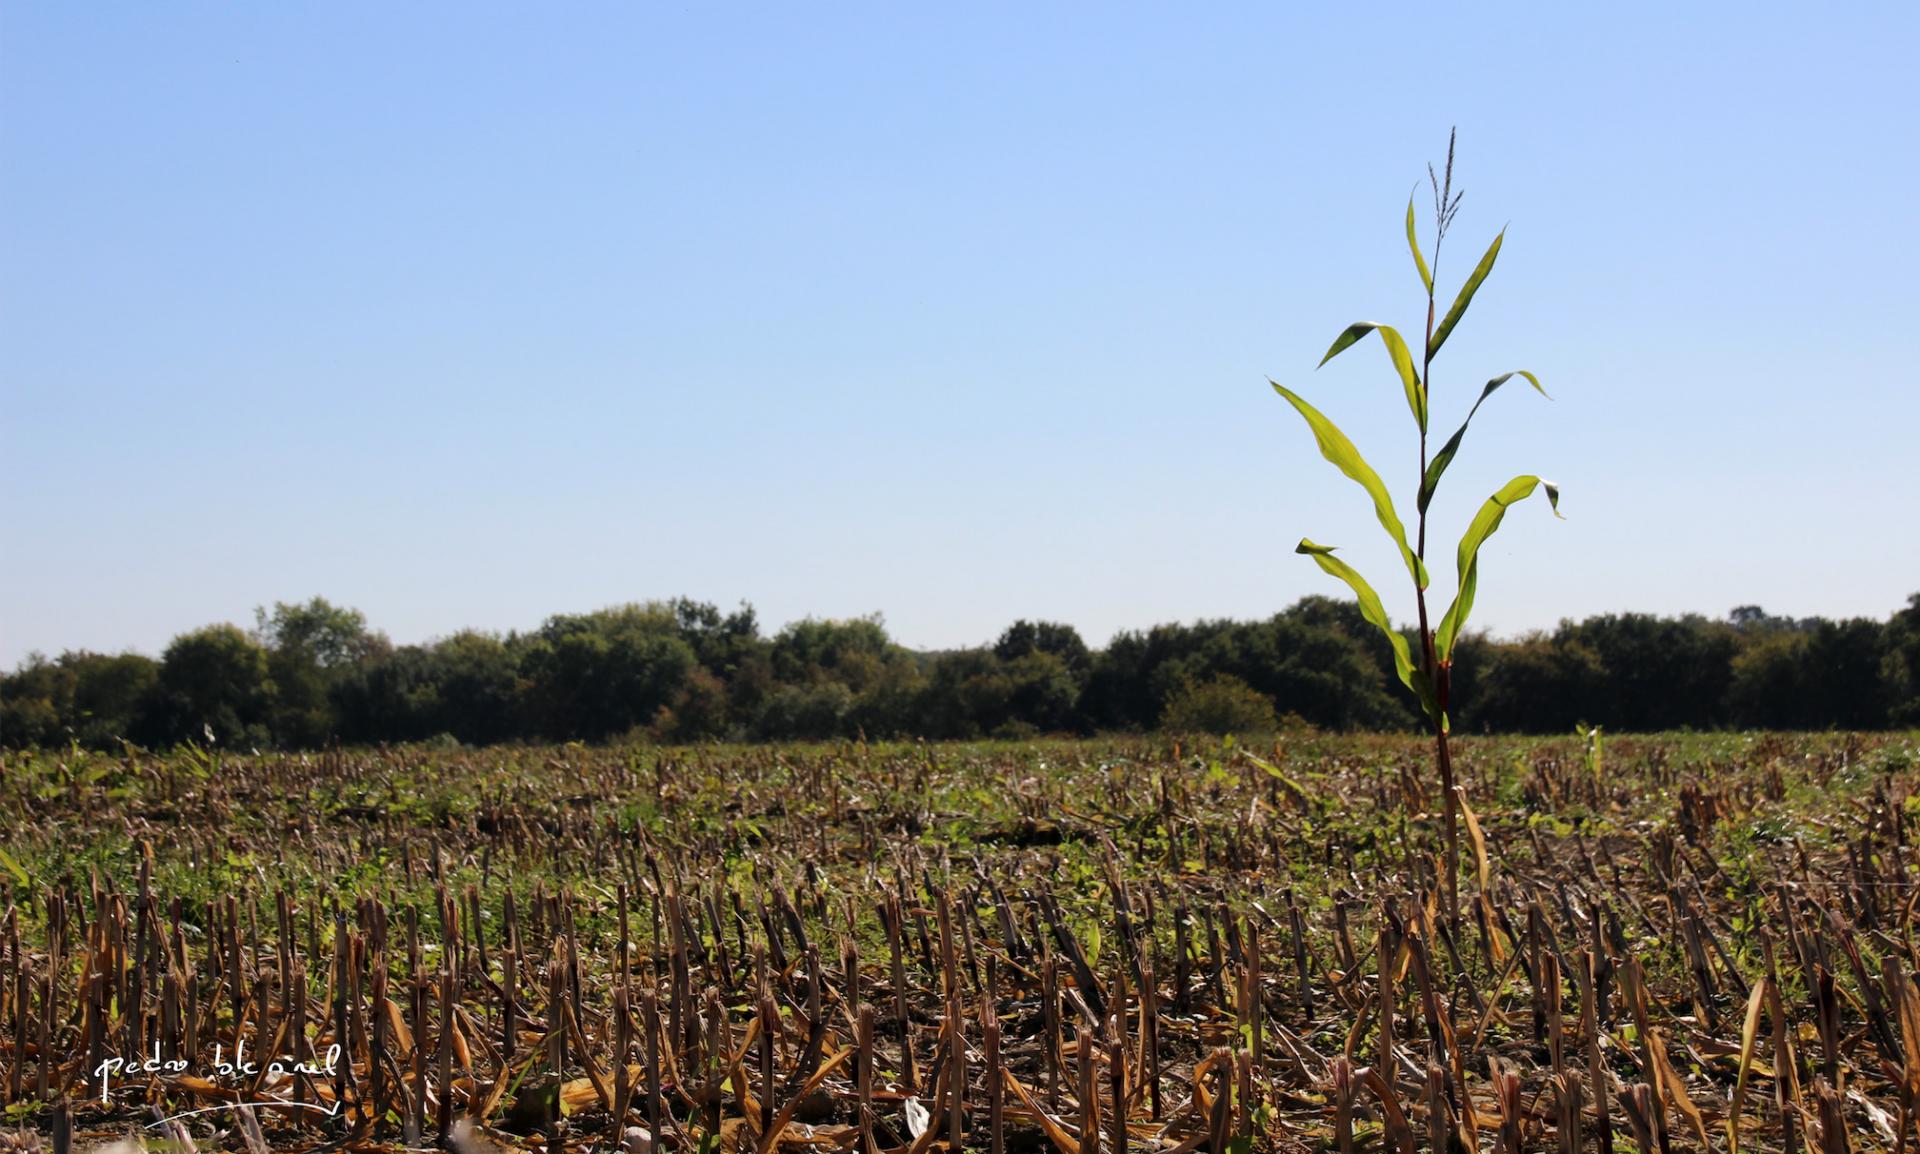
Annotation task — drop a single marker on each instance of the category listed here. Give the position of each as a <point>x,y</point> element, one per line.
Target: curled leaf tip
<point>1346,339</point>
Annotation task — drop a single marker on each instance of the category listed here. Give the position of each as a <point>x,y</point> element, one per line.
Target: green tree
<point>326,635</point>
<point>1541,683</point>
<point>1042,692</point>
<point>1313,659</point>
<point>700,710</point>
<point>1051,637</point>
<point>854,652</point>
<point>392,697</point>
<point>967,694</point>
<point>1827,677</point>
<point>1121,693</point>
<point>311,646</point>
<point>598,675</point>
<point>721,642</point>
<point>1900,668</point>
<point>35,703</point>
<point>109,693</point>
<point>479,688</point>
<point>213,685</point>
<point>1657,673</point>
<point>888,705</point>
<point>811,712</point>
<point>95,699</point>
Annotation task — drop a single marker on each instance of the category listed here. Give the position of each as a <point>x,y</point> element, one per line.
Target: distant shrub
<point>1221,704</point>
<point>806,713</point>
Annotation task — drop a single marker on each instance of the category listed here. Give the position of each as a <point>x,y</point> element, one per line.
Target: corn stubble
<point>1089,948</point>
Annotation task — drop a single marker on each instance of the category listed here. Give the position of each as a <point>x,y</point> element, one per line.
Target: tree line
<point>314,673</point>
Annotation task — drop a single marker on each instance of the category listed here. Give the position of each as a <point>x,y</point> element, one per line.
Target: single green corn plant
<point>1427,673</point>
<point>1591,735</point>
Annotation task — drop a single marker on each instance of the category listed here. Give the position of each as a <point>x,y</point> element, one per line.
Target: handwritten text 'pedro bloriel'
<point>240,1068</point>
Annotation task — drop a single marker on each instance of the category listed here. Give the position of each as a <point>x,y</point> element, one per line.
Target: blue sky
<point>468,314</point>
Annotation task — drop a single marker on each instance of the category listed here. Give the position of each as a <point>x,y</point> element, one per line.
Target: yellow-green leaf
<point>1370,607</point>
<point>1278,775</point>
<point>1465,298</point>
<point>1444,457</point>
<point>1484,523</point>
<point>1401,356</point>
<point>1335,447</point>
<point>1750,1027</point>
<point>13,867</point>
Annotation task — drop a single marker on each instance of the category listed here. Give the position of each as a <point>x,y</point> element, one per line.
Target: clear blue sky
<point>468,314</point>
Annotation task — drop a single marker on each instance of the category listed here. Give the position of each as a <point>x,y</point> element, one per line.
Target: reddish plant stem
<point>1438,674</point>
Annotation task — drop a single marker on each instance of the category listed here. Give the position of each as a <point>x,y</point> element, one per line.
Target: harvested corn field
<point>1684,942</point>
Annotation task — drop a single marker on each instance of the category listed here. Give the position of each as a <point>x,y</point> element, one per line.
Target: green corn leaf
<point>13,867</point>
<point>1370,607</point>
<point>1444,457</point>
<point>1465,298</point>
<point>1413,243</point>
<point>1484,523</point>
<point>1335,447</point>
<point>1280,776</point>
<point>1402,362</point>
